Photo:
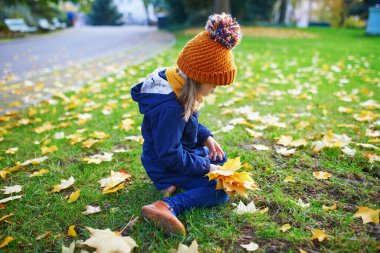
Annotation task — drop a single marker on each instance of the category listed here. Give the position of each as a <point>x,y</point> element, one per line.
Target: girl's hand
<point>214,147</point>
<point>214,167</point>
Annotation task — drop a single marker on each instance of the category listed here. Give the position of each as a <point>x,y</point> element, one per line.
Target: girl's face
<point>207,89</point>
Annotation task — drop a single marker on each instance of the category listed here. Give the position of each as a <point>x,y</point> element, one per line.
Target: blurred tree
<point>338,11</point>
<point>30,10</point>
<point>360,8</point>
<point>104,12</point>
<point>195,12</point>
<point>177,13</point>
<point>222,6</point>
<point>252,10</point>
<point>283,6</point>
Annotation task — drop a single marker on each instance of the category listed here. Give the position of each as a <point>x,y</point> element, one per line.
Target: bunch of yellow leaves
<point>231,181</point>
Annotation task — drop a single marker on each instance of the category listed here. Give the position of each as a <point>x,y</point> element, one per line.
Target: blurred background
<point>42,16</point>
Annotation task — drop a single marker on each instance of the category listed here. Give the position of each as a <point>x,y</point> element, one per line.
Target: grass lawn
<point>302,84</point>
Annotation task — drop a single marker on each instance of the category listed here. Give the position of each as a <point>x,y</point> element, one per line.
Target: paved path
<point>33,68</point>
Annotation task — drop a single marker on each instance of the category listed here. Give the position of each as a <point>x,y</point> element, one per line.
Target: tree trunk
<point>283,8</point>
<point>222,6</point>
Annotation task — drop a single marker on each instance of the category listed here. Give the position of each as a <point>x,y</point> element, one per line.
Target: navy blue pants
<point>199,191</point>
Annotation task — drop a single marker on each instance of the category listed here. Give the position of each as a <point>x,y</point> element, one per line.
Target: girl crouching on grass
<point>178,151</point>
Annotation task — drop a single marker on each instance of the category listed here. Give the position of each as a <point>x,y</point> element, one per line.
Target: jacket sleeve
<point>203,134</point>
<point>167,134</point>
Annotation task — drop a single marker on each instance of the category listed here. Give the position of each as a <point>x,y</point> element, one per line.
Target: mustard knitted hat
<point>207,58</point>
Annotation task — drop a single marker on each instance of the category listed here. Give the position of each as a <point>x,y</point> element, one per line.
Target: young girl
<point>178,151</point>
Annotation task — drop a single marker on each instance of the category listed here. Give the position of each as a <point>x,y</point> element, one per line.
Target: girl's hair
<point>189,97</point>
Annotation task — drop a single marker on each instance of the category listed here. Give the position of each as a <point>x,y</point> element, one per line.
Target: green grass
<point>265,65</point>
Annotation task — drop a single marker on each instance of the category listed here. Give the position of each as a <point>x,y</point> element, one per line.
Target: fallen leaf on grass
<point>348,151</point>
<point>71,231</point>
<point>99,135</point>
<point>285,227</point>
<point>71,248</point>
<point>250,246</point>
<point>108,241</point>
<point>11,189</point>
<point>39,237</point>
<point>321,175</point>
<point>115,182</point>
<point>241,208</point>
<point>6,216</point>
<point>91,209</point>
<point>98,158</point>
<point>289,179</point>
<point>139,138</point>
<point>34,161</point>
<point>73,196</point>
<point>331,140</point>
<point>11,151</point>
<point>39,173</point>
<point>367,214</point>
<point>47,126</point>
<point>6,241</point>
<point>329,208</point>
<point>372,157</point>
<point>10,198</point>
<point>285,152</point>
<point>260,147</point>
<point>59,135</point>
<point>193,248</point>
<point>45,150</point>
<point>64,184</point>
<point>302,204</point>
<point>89,143</point>
<point>318,234</point>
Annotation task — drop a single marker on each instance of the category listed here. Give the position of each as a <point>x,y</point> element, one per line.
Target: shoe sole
<point>161,220</point>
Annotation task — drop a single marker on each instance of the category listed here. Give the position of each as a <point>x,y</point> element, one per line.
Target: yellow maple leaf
<point>74,196</point>
<point>367,214</point>
<point>328,208</point>
<point>115,182</point>
<point>108,241</point>
<point>89,143</point>
<point>11,151</point>
<point>75,138</point>
<point>113,189</point>
<point>321,175</point>
<point>285,140</point>
<point>71,231</point>
<point>289,179</point>
<point>318,234</point>
<point>64,184</point>
<point>39,173</point>
<point>45,150</point>
<point>193,248</point>
<point>6,241</point>
<point>47,126</point>
<point>6,216</point>
<point>99,135</point>
<point>285,227</point>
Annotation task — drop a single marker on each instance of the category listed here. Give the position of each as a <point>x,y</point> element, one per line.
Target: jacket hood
<point>148,101</point>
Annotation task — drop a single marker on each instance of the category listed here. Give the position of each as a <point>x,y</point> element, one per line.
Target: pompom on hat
<point>207,58</point>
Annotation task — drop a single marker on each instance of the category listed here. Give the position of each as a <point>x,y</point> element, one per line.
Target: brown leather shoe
<point>159,213</point>
<point>168,191</point>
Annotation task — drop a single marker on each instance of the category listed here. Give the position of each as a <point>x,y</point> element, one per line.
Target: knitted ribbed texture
<point>175,80</point>
<point>207,61</point>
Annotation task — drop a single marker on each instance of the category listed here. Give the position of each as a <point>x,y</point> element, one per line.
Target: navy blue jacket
<point>172,147</point>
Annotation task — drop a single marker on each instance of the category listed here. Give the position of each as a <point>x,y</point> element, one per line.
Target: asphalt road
<point>45,57</point>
